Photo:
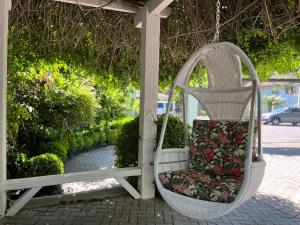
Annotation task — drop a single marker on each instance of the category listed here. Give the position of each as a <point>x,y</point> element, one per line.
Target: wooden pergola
<point>147,18</point>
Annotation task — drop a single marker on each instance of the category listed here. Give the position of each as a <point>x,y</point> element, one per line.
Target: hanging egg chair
<point>220,170</point>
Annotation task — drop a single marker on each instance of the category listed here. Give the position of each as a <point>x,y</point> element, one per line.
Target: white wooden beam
<point>148,103</point>
<point>128,187</point>
<point>4,8</point>
<point>157,6</point>
<point>115,6</point>
<point>138,17</point>
<point>19,204</point>
<point>42,181</point>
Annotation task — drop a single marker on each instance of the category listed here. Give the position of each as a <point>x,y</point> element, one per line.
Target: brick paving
<point>277,202</point>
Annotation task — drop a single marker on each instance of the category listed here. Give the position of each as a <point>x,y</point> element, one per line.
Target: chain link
<point>218,12</point>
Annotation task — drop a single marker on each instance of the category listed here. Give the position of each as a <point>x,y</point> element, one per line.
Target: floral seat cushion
<point>197,185</point>
<point>216,167</point>
<point>219,147</point>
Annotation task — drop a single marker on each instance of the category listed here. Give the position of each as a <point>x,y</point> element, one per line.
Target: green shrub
<point>72,143</point>
<point>98,138</point>
<point>45,164</point>
<point>113,130</point>
<point>42,165</point>
<point>16,164</point>
<point>88,141</point>
<point>60,148</point>
<point>79,143</point>
<point>127,144</point>
<point>127,141</point>
<point>174,135</point>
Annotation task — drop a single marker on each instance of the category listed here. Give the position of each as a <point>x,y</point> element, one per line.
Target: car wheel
<point>275,121</point>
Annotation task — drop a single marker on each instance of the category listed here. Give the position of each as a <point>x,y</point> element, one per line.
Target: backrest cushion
<point>219,147</point>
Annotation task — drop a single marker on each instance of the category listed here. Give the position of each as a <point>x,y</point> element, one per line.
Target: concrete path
<point>91,160</point>
<point>87,161</point>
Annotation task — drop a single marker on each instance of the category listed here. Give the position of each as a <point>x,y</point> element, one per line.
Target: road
<point>281,136</point>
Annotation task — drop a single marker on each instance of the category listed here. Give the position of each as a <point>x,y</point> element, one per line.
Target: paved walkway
<point>277,202</point>
<point>88,161</point>
<point>91,160</point>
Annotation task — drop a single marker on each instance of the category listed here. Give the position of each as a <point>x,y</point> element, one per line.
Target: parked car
<point>289,115</point>
<point>266,116</point>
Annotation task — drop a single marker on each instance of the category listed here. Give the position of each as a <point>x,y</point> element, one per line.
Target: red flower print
<point>239,139</point>
<point>198,122</point>
<point>164,179</point>
<point>213,123</point>
<point>202,177</point>
<point>194,151</point>
<point>218,170</point>
<point>213,144</point>
<point>223,138</point>
<point>239,161</point>
<point>179,188</point>
<point>209,154</point>
<point>215,182</point>
<point>235,172</point>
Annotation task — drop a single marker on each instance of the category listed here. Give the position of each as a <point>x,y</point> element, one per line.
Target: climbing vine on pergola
<point>107,41</point>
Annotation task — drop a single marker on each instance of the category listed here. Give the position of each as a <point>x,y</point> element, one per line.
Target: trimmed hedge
<point>127,141</point>
<point>45,164</point>
<point>19,166</point>
<point>60,148</point>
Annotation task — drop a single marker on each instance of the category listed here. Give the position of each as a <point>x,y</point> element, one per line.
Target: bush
<point>127,141</point>
<point>79,143</point>
<point>127,144</point>
<point>174,135</point>
<point>98,138</point>
<point>45,164</point>
<point>60,148</point>
<point>16,164</point>
<point>113,130</point>
<point>88,141</point>
<point>72,143</point>
<point>19,166</point>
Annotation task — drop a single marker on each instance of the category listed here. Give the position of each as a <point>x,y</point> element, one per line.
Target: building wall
<point>290,98</point>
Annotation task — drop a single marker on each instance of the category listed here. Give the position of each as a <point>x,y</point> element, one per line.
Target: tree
<point>272,101</point>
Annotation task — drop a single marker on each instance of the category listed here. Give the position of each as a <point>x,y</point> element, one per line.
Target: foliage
<point>16,164</point>
<point>127,142</point>
<point>42,29</point>
<point>60,148</point>
<point>46,101</point>
<point>273,100</point>
<point>45,164</point>
<point>174,135</point>
<point>19,165</point>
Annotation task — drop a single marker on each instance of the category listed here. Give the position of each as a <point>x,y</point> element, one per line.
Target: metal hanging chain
<point>218,12</point>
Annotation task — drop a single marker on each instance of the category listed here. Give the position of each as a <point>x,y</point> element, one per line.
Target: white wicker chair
<point>224,99</point>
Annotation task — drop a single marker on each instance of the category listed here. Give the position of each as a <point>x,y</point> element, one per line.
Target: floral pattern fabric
<point>216,167</point>
<point>219,147</point>
<point>197,185</point>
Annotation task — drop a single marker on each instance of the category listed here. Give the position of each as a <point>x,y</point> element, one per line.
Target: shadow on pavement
<point>282,151</point>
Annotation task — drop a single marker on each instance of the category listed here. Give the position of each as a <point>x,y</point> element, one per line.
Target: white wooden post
<point>149,93</point>
<point>4,7</point>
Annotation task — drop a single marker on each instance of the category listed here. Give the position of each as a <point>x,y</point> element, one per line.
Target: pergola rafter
<point>149,16</point>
